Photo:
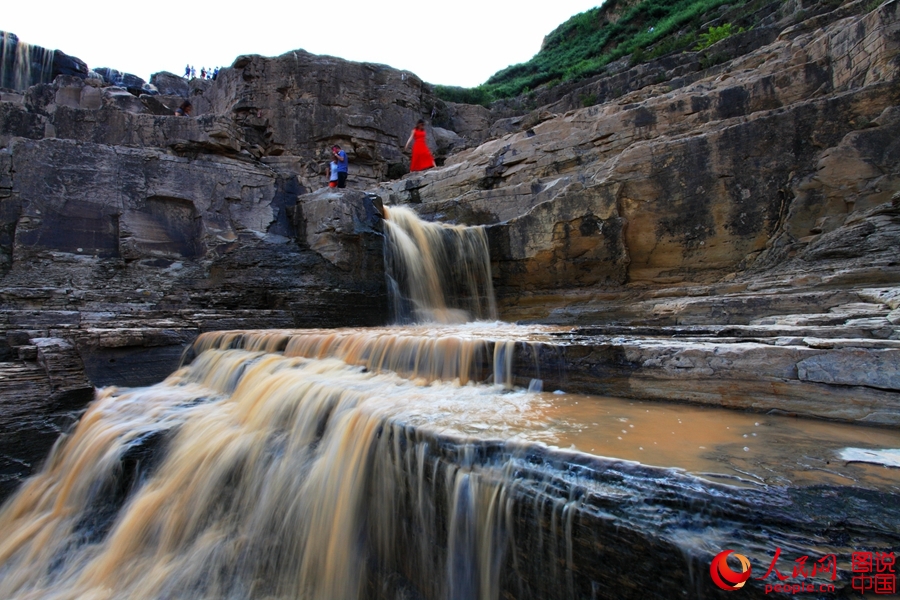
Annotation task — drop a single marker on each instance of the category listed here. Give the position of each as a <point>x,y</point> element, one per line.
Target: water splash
<point>253,474</point>
<point>325,464</point>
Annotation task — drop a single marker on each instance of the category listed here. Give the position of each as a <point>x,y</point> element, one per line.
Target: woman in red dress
<point>421,155</point>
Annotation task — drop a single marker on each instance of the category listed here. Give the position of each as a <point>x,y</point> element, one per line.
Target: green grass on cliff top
<point>586,43</point>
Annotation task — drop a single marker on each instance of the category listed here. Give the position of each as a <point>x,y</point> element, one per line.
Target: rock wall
<point>724,235</point>
<point>125,231</point>
<point>764,158</point>
<point>114,204</point>
<point>758,193</point>
<point>299,104</point>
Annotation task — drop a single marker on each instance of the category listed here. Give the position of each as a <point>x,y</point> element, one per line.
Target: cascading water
<point>23,65</point>
<point>275,464</point>
<point>344,464</point>
<point>276,477</point>
<point>437,273</point>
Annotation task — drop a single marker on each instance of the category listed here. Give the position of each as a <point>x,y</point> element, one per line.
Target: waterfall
<point>397,463</point>
<point>436,273</point>
<point>253,474</point>
<point>23,65</point>
<point>314,464</point>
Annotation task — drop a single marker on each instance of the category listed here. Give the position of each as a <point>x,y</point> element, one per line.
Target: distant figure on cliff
<point>421,155</point>
<point>332,173</point>
<point>184,110</point>
<point>202,72</point>
<point>187,71</point>
<point>215,73</point>
<point>340,157</point>
<point>193,72</point>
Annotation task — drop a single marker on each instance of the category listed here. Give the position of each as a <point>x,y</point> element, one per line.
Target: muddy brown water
<point>271,466</point>
<point>722,445</point>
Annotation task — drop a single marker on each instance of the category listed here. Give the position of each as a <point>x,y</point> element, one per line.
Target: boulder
<point>471,122</point>
<point>63,64</point>
<point>170,84</point>
<point>132,83</point>
<point>446,141</point>
<point>342,226</point>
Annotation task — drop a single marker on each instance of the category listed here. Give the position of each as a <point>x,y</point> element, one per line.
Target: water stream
<point>304,463</point>
<point>436,273</point>
<point>23,65</point>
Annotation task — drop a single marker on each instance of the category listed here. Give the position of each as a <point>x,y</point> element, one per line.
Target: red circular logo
<point>723,576</point>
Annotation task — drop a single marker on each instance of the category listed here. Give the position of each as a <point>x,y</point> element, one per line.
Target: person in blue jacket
<point>340,157</point>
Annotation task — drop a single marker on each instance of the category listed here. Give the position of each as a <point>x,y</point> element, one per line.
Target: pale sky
<point>460,42</point>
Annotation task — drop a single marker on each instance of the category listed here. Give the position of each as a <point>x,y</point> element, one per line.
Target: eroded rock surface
<point>754,200</point>
<point>777,148</point>
<point>757,198</point>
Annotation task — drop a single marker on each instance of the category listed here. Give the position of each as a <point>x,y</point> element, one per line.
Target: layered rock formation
<point>718,234</point>
<point>105,190</point>
<point>746,209</point>
<point>755,163</point>
<point>761,194</point>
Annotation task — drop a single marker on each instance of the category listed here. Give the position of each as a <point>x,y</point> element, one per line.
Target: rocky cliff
<point>739,169</point>
<point>702,221</point>
<point>736,223</point>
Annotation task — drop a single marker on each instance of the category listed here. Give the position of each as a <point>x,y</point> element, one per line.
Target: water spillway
<point>405,462</point>
<point>23,65</point>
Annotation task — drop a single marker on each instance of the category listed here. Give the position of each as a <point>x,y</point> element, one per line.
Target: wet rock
<point>576,526</point>
<point>132,357</point>
<point>40,395</point>
<point>64,64</point>
<point>23,65</point>
<point>139,249</point>
<point>62,364</point>
<point>752,200</point>
<point>761,374</point>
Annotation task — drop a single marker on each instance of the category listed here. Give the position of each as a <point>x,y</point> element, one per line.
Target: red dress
<point>421,155</point>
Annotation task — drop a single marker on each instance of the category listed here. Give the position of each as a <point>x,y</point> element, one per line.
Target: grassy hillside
<point>586,43</point>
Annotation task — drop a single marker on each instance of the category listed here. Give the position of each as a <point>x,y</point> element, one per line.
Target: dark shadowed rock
<point>63,64</point>
<point>132,83</point>
<point>170,84</point>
